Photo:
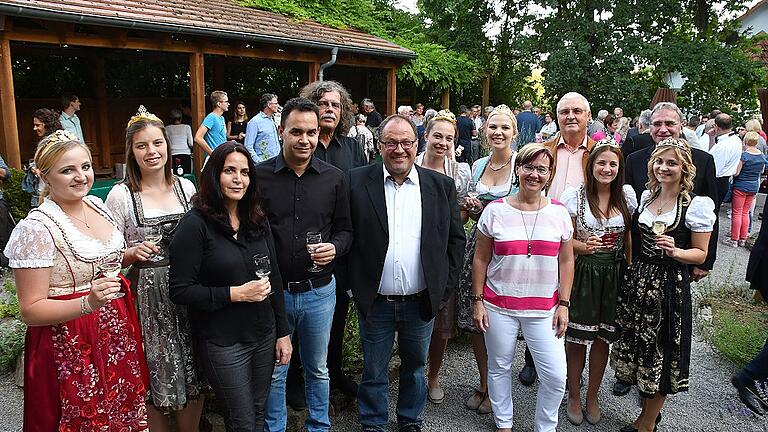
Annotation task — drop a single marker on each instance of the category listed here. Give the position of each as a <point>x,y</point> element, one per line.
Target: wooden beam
<point>100,80</point>
<point>391,91</point>
<point>12,151</point>
<point>486,91</point>
<point>314,72</point>
<point>197,95</point>
<point>446,99</point>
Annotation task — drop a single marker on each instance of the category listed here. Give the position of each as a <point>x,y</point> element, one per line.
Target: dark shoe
<point>630,428</point>
<point>345,385</point>
<point>294,397</point>
<point>528,375</point>
<point>621,388</point>
<point>748,395</point>
<point>410,428</point>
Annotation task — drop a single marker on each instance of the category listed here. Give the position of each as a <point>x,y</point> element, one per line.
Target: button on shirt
<point>570,171</point>
<point>402,273</point>
<point>295,205</point>
<point>726,152</point>
<point>72,124</point>
<point>342,152</point>
<point>261,137</point>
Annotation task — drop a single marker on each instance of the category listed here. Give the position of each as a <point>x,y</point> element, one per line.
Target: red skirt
<point>87,374</point>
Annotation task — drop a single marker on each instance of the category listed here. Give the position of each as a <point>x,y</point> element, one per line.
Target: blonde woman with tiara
<point>440,136</point>
<point>493,177</point>
<point>670,231</point>
<point>150,201</point>
<point>84,366</point>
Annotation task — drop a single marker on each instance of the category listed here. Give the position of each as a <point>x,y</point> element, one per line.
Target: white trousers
<point>548,355</point>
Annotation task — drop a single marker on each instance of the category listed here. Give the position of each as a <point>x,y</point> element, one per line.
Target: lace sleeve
<point>30,246</point>
<point>118,206</point>
<point>188,187</point>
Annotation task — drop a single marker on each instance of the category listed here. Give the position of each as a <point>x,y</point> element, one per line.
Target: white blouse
<point>500,190</point>
<point>700,216</point>
<point>570,199</point>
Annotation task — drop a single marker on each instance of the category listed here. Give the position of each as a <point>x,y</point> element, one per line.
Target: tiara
<point>675,142</point>
<point>607,141</point>
<point>446,115</point>
<point>501,109</point>
<point>58,136</point>
<point>143,114</point>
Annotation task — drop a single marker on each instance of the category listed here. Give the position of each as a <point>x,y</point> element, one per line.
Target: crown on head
<point>58,136</point>
<point>607,141</point>
<point>143,114</point>
<point>445,115</point>
<point>501,109</point>
<point>675,142</point>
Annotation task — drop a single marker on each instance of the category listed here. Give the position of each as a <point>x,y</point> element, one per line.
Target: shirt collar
<point>314,164</point>
<point>561,141</point>
<point>413,175</point>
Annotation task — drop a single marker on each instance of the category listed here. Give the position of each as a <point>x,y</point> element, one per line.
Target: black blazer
<point>442,236</point>
<point>704,184</point>
<point>637,142</point>
<point>757,269</point>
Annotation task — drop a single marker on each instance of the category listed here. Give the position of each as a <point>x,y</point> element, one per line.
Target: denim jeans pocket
<point>327,290</point>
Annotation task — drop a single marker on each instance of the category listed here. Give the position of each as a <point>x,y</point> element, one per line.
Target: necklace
<point>84,220</point>
<point>658,211</point>
<point>490,165</point>
<point>525,226</point>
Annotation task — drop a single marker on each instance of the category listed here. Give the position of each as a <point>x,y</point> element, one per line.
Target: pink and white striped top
<point>516,284</point>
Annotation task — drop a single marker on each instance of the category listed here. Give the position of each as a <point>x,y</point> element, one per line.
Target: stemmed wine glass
<point>472,194</point>
<point>262,266</point>
<point>154,234</point>
<point>110,266</point>
<point>658,228</point>
<point>313,239</point>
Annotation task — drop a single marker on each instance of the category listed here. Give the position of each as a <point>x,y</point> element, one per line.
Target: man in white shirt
<point>726,151</point>
<point>70,105</point>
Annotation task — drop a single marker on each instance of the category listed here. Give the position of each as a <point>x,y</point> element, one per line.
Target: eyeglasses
<point>668,123</point>
<point>540,170</point>
<point>326,104</point>
<point>575,111</point>
<point>391,145</point>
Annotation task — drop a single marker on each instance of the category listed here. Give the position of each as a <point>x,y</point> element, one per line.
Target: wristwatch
<point>477,298</point>
<point>565,303</point>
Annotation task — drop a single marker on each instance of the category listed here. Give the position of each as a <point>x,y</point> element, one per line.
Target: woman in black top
<point>236,127</point>
<point>238,320</point>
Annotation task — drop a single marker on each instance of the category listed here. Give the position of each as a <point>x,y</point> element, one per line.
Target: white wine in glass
<point>154,234</point>
<point>659,227</point>
<point>110,267</point>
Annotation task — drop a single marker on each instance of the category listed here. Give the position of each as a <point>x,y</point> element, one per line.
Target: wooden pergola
<point>195,28</point>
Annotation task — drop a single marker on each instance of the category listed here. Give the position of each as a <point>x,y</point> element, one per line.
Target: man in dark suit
<point>667,122</point>
<point>640,140</point>
<point>404,262</point>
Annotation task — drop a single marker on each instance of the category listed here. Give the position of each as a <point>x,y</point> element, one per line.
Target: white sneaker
<point>742,243</point>
<point>729,242</point>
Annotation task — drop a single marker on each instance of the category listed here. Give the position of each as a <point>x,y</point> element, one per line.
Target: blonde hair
<point>51,149</point>
<point>686,177</point>
<point>753,126</point>
<point>499,110</point>
<point>751,138</point>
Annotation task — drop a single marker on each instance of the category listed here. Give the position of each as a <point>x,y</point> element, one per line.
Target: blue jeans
<point>310,314</point>
<point>377,333</point>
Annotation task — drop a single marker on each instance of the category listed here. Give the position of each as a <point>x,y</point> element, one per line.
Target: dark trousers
<point>240,375</point>
<point>757,369</point>
<point>336,344</point>
<point>722,190</point>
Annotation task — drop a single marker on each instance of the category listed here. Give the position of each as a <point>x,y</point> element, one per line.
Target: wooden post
<point>197,96</point>
<point>314,72</point>
<point>446,99</point>
<point>100,79</point>
<point>12,151</point>
<point>486,91</point>
<point>391,91</point>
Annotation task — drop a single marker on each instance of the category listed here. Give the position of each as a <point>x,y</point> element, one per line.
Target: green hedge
<point>17,199</point>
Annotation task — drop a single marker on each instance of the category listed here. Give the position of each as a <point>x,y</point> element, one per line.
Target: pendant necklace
<point>525,226</point>
<point>84,220</point>
<point>658,211</point>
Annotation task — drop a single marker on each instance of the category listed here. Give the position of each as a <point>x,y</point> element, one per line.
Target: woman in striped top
<point>522,277</point>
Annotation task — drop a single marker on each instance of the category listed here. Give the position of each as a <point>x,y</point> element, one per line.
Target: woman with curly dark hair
<point>45,121</point>
<point>236,306</point>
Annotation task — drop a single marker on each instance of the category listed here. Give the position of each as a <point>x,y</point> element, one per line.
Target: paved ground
<point>710,405</point>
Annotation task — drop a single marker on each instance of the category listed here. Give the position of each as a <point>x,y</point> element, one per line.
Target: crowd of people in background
<point>585,235</point>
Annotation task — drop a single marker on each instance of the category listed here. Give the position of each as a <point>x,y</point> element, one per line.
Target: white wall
<point>758,20</point>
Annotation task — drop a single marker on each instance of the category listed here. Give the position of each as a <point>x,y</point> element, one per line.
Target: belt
<point>403,298</point>
<point>308,284</point>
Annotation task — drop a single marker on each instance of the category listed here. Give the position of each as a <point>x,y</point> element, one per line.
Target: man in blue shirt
<point>70,105</point>
<point>527,125</point>
<point>261,133</point>
<point>212,133</point>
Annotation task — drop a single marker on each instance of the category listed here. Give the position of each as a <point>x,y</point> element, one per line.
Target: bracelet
<point>84,308</point>
<point>565,303</point>
<point>477,298</point>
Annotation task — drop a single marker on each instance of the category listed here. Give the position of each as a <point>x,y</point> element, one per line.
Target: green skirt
<point>593,297</point>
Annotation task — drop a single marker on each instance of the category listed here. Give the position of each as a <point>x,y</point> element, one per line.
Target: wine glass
<point>262,266</point>
<point>154,234</point>
<point>658,228</point>
<point>472,194</point>
<point>313,239</point>
<point>599,231</point>
<point>110,266</point>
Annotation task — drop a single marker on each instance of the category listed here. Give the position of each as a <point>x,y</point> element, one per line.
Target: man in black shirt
<point>303,195</point>
<point>345,153</point>
<point>466,128</point>
<point>372,117</point>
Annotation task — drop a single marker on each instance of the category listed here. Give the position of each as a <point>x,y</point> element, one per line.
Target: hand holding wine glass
<point>471,203</point>
<point>314,239</point>
<point>262,267</point>
<point>658,228</point>
<point>153,234</point>
<point>109,267</point>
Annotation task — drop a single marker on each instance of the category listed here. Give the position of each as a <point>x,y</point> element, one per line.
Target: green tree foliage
<point>436,64</point>
<point>617,53</point>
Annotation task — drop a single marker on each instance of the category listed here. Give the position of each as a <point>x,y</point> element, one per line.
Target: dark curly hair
<point>209,199</point>
<point>49,118</point>
<point>315,91</point>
